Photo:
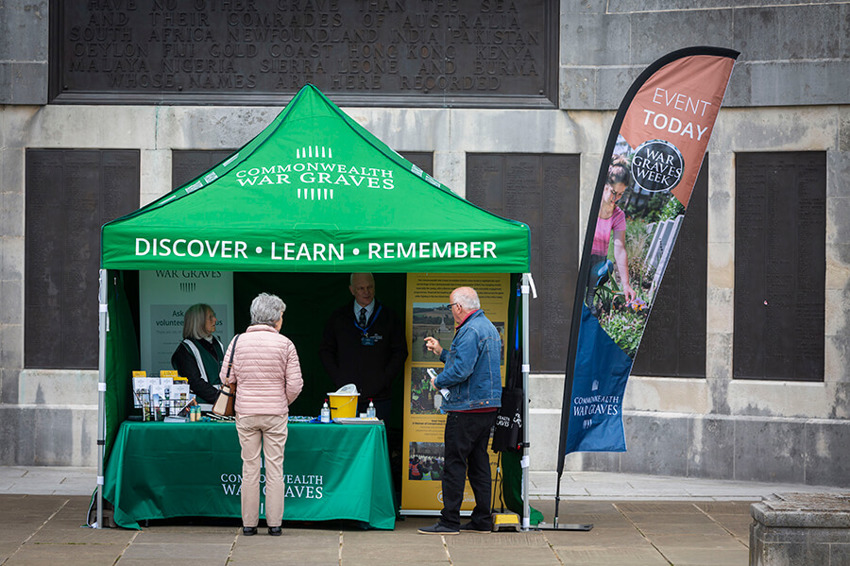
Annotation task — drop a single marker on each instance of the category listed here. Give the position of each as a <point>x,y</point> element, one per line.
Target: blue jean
<point>466,438</point>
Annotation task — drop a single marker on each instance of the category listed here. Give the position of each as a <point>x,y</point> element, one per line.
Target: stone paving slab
<point>7,549</point>
<point>523,556</point>
<point>33,554</point>
<point>40,530</point>
<point>174,552</point>
<point>295,546</point>
<point>715,540</point>
<point>707,557</point>
<point>429,551</point>
<point>736,525</point>
<point>647,556</point>
<point>597,536</point>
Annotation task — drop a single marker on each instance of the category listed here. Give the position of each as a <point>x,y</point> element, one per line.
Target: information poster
<point>164,296</point>
<point>428,309</point>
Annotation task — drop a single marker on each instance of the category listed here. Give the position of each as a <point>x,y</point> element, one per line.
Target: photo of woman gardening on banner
<point>631,244</point>
<point>611,219</point>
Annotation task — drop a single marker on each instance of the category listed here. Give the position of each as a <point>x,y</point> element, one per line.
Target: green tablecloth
<point>159,470</point>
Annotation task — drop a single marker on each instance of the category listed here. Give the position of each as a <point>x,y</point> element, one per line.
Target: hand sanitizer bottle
<point>326,413</point>
<point>370,411</point>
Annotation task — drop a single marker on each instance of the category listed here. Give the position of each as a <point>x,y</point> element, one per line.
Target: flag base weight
<point>506,521</point>
<point>564,527</point>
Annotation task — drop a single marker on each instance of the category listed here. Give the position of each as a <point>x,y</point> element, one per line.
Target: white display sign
<point>164,296</point>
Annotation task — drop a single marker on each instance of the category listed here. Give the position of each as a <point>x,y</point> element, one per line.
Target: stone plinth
<point>791,529</point>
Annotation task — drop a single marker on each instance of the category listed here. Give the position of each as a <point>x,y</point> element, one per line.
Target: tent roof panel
<point>314,191</point>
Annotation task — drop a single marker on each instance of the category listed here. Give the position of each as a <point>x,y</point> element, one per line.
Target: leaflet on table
<point>170,394</point>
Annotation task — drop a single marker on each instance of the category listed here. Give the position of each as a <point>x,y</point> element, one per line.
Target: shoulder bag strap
<point>232,355</point>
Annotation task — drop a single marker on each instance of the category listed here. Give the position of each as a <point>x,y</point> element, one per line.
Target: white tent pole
<point>526,523</point>
<point>103,320</point>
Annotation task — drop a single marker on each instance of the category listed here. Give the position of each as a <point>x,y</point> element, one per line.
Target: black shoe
<point>438,529</point>
<point>470,527</point>
<point>249,531</point>
<point>274,531</point>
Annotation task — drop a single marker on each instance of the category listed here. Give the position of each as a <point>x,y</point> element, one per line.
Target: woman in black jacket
<point>198,357</point>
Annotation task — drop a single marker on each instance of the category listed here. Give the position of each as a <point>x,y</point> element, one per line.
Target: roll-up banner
<point>650,164</point>
<point>424,422</point>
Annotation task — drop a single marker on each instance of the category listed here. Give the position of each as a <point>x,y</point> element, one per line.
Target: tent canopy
<point>315,192</point>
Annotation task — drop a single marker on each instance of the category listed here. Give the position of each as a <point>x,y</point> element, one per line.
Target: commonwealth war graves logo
<point>315,174</point>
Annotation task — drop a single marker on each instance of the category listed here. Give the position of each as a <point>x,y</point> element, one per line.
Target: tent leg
<point>528,281</point>
<point>101,390</point>
<point>525,287</point>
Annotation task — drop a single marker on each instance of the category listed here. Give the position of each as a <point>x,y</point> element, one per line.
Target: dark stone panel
<point>780,266</point>
<point>711,448</point>
<point>70,194</point>
<point>188,164</point>
<point>422,159</point>
<point>655,445</point>
<point>769,451</point>
<point>827,457</point>
<point>673,343</point>
<point>472,52</point>
<point>542,191</point>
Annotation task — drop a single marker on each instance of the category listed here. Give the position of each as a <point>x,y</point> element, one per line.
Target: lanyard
<point>365,330</point>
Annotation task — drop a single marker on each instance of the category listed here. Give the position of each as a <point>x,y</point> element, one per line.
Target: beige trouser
<point>266,434</point>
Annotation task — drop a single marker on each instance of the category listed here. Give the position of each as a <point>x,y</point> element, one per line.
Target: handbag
<point>507,432</point>
<point>225,403</point>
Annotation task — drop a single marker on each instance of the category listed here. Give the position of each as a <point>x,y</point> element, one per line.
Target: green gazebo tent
<point>314,192</point>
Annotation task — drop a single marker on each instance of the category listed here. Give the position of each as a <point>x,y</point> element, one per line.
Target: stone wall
<point>785,95</point>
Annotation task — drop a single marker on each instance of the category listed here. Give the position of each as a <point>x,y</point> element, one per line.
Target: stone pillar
<point>791,529</point>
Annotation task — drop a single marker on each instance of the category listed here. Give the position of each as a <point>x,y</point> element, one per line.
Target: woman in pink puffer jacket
<point>266,370</point>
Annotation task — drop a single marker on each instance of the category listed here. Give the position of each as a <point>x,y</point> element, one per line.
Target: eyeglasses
<point>450,305</point>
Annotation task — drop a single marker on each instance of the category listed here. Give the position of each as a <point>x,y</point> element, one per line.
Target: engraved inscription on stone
<point>673,343</point>
<point>70,194</point>
<point>780,265</point>
<point>428,48</point>
<point>542,191</point>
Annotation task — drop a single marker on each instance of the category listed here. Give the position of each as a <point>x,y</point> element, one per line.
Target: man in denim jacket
<point>472,377</point>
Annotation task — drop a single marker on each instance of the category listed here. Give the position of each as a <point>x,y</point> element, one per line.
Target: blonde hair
<point>195,321</point>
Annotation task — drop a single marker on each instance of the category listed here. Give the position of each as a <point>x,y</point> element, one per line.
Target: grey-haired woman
<point>267,372</point>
